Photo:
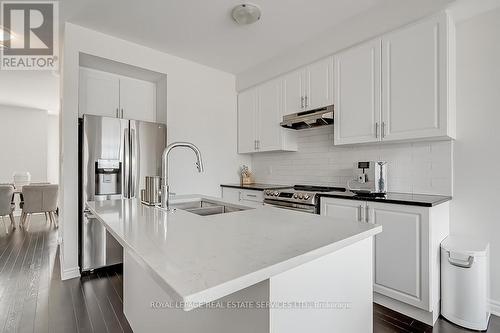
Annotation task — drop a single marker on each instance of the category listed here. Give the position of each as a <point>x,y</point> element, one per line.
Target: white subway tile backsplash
<point>420,167</point>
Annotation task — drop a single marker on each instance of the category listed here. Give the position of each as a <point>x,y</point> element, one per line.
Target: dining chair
<point>7,206</point>
<point>39,199</point>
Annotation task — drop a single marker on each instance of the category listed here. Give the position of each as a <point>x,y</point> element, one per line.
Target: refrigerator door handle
<point>133,162</point>
<point>126,163</point>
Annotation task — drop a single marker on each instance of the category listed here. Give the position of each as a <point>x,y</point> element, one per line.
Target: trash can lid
<point>465,245</point>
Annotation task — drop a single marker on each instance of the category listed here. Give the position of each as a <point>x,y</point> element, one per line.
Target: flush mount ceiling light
<point>246,14</point>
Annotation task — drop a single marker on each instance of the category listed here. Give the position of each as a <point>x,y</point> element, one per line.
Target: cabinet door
<point>269,116</point>
<point>357,94</point>
<point>98,93</point>
<point>138,99</point>
<point>402,253</point>
<point>319,84</point>
<point>342,209</point>
<point>247,110</point>
<point>293,92</point>
<point>231,194</point>
<point>414,85</point>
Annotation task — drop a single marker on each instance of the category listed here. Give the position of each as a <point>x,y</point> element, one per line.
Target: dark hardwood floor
<point>34,299</point>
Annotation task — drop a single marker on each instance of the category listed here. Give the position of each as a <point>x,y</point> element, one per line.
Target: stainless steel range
<point>304,198</point>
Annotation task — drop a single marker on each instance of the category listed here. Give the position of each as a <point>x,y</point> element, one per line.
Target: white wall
<point>30,89</point>
<point>23,134</point>
<point>53,148</point>
<point>422,167</point>
<point>474,209</point>
<point>201,108</point>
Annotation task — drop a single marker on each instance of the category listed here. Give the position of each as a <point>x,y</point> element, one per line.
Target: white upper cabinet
<point>138,99</point>
<point>247,121</point>
<point>111,95</point>
<point>308,88</point>
<point>399,87</point>
<point>319,84</point>
<point>415,66</point>
<point>293,92</point>
<point>357,94</point>
<point>260,111</point>
<point>269,116</point>
<point>99,93</point>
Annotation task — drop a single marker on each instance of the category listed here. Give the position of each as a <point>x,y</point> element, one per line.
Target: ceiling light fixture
<point>246,14</point>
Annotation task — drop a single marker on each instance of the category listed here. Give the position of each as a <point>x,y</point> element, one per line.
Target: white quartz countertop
<point>199,259</point>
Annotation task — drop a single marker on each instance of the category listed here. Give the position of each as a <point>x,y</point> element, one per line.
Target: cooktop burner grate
<point>313,188</point>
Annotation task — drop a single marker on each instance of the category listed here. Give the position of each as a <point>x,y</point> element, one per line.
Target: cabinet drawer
<point>250,195</point>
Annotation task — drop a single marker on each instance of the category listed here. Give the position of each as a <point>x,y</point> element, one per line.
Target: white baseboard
<point>495,307</point>
<point>67,273</point>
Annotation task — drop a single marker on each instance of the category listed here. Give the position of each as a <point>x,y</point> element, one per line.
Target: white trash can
<point>465,282</point>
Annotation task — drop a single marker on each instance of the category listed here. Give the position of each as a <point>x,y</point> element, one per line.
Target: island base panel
<point>140,290</point>
<point>342,285</point>
<point>340,282</point>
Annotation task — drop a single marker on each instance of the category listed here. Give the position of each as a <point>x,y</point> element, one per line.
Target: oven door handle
<point>311,210</point>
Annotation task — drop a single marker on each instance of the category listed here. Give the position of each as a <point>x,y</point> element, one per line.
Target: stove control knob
<point>276,193</point>
<point>306,197</point>
<point>301,195</point>
<point>268,192</point>
<point>295,196</point>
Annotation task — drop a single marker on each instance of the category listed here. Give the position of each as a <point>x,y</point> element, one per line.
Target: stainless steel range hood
<point>308,119</point>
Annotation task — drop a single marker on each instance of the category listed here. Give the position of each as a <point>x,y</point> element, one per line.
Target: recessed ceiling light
<point>246,13</point>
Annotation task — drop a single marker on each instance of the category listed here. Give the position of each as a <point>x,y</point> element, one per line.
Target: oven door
<point>290,205</point>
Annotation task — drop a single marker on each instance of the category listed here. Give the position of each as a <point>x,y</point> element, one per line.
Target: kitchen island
<point>253,270</point>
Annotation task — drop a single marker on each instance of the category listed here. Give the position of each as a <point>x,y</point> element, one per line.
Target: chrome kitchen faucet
<point>165,191</point>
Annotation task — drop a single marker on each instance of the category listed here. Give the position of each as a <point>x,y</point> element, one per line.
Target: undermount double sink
<point>205,207</point>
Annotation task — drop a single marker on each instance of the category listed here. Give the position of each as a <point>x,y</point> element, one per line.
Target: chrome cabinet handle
<point>252,195</point>
<point>117,113</point>
<point>258,144</point>
<point>121,115</point>
<point>376,130</point>
<point>305,99</point>
<point>367,214</point>
<point>359,213</point>
<point>302,102</point>
<point>383,129</point>
<point>239,195</point>
<point>461,263</point>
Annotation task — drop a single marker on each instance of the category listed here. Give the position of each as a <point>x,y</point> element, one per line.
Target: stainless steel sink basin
<point>205,207</point>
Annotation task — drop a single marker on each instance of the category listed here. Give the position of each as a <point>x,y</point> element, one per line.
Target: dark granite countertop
<point>423,200</point>
<point>256,186</point>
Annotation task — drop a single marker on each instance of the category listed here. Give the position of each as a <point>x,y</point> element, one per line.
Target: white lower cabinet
<point>250,198</point>
<point>406,275</point>
<point>402,253</point>
<point>341,209</point>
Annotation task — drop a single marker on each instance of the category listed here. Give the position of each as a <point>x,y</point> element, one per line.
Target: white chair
<point>7,206</point>
<point>39,199</point>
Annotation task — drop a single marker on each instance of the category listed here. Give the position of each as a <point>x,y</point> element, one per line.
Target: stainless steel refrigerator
<point>115,156</point>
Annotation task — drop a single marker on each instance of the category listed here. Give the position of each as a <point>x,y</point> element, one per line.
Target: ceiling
<point>203,31</point>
